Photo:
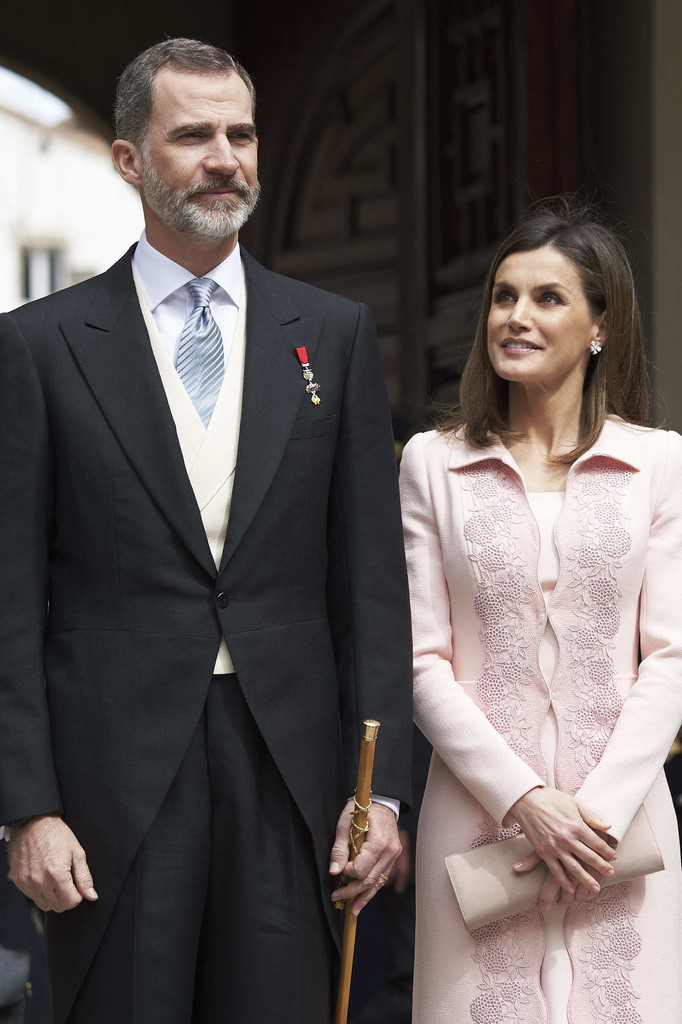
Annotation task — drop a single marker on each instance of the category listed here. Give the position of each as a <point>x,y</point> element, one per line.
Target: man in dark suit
<point>188,652</point>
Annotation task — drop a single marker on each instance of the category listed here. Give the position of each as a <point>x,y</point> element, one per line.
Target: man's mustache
<point>231,184</point>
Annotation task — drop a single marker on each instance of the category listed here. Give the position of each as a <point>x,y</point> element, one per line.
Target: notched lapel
<point>273,390</point>
<point>115,357</point>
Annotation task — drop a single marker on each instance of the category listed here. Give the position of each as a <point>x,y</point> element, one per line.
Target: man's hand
<point>378,853</point>
<point>48,864</point>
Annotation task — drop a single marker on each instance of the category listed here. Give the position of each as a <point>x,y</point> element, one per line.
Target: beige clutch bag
<point>487,887</point>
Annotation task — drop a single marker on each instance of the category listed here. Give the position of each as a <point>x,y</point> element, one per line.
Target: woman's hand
<point>582,893</point>
<point>566,836</point>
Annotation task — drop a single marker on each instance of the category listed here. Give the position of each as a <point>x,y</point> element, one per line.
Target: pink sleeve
<point>458,730</point>
<point>652,712</point>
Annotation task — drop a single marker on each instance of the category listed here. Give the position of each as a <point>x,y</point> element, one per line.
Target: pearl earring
<point>595,347</point>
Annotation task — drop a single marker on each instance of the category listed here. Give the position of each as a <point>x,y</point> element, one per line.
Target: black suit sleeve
<point>27,778</point>
<point>367,586</point>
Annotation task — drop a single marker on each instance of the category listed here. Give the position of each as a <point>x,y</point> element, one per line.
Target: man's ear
<point>127,161</point>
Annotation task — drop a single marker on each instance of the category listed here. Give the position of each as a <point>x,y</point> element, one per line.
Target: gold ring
<point>385,877</point>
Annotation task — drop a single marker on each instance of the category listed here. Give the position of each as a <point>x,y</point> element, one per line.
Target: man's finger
<point>59,901</point>
<point>340,850</point>
<point>58,888</point>
<point>364,885</point>
<point>82,877</point>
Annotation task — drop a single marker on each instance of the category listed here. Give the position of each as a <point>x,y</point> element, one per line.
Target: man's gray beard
<point>213,220</point>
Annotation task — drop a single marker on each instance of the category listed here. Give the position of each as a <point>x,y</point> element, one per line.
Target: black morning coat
<point>111,617</point>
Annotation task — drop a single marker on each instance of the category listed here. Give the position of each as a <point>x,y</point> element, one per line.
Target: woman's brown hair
<point>616,381</point>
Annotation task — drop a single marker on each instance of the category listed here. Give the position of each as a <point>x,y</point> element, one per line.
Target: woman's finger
<point>598,861</point>
<point>580,875</point>
<point>581,894</point>
<point>592,818</point>
<point>530,861</point>
<point>549,892</point>
<point>558,873</point>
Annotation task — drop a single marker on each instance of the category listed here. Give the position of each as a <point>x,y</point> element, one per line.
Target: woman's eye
<point>551,298</point>
<point>504,296</point>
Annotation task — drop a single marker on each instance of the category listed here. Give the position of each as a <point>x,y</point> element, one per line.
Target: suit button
<point>222,600</point>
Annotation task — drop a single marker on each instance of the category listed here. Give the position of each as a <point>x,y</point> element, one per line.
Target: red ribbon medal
<point>312,386</point>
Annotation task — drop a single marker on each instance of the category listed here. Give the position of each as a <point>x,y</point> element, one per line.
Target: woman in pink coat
<point>543,526</point>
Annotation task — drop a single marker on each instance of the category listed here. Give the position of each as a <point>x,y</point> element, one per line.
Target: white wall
<point>59,190</point>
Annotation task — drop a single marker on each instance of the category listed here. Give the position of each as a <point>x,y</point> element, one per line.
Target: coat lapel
<point>273,388</point>
<point>113,351</point>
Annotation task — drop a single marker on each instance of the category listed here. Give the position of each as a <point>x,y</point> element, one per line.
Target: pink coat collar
<point>618,440</point>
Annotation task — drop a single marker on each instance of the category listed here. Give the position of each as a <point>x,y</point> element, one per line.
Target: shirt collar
<point>159,276</point>
<point>618,440</point>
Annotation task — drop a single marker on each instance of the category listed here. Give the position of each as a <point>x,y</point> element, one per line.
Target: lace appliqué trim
<point>610,944</point>
<point>492,523</point>
<point>592,567</point>
<point>505,988</point>
<point>601,934</point>
<point>509,989</point>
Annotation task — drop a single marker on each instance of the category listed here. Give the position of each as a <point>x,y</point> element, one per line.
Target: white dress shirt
<point>165,287</point>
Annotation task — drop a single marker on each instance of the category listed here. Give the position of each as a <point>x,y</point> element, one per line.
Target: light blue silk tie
<point>201,361</point>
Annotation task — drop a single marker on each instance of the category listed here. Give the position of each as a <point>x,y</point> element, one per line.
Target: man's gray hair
<point>134,94</point>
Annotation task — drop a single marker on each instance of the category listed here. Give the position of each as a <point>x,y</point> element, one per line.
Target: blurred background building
<point>399,139</point>
<point>65,212</point>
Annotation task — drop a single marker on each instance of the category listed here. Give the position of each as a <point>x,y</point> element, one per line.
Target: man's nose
<point>221,158</point>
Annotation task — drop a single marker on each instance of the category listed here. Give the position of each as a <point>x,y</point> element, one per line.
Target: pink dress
<point>509,703</point>
<point>556,973</point>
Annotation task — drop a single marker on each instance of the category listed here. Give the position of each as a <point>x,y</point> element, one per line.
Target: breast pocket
<point>313,426</point>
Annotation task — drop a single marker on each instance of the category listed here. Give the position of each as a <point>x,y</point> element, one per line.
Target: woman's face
<point>540,324</point>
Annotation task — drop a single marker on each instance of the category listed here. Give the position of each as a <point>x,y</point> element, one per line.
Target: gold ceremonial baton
<point>358,828</point>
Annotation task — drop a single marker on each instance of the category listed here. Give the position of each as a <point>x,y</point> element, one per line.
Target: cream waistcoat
<point>210,453</point>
